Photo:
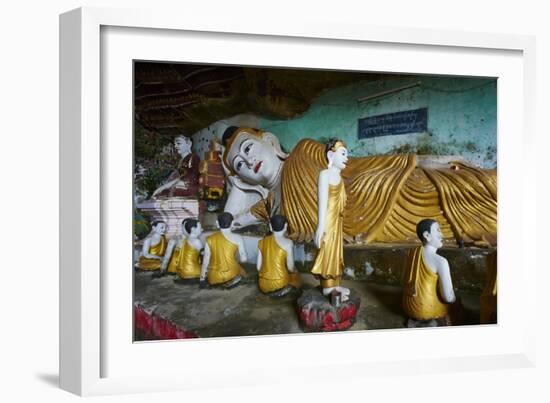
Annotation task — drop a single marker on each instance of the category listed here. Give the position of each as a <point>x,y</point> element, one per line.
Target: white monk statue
<point>154,248</point>
<point>428,293</point>
<point>277,275</point>
<point>220,265</point>
<point>173,251</point>
<point>329,237</point>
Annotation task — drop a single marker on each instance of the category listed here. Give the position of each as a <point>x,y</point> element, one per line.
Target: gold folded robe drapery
<point>158,250</point>
<point>223,265</point>
<point>274,274</point>
<point>420,296</point>
<point>174,260</point>
<point>388,195</point>
<point>188,263</point>
<point>329,263</point>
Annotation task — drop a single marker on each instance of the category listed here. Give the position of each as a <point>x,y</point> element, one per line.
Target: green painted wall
<point>461,118</point>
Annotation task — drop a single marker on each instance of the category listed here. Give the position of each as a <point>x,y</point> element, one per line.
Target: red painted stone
<point>318,315</point>
<point>158,328</point>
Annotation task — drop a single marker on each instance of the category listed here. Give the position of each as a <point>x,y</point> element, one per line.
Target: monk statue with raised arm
<point>428,295</point>
<point>220,265</point>
<point>329,237</point>
<point>277,275</point>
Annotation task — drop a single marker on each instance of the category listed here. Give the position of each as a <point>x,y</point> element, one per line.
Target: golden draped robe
<point>388,195</point>
<point>420,296</point>
<point>158,249</point>
<point>188,263</point>
<point>174,259</point>
<point>329,263</point>
<point>223,265</point>
<point>273,273</point>
<point>488,300</point>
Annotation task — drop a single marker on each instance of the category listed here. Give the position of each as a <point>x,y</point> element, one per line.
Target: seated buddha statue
<point>275,264</point>
<point>488,300</point>
<point>428,293</point>
<point>188,265</point>
<point>219,265</point>
<point>184,180</point>
<point>381,191</point>
<point>154,248</point>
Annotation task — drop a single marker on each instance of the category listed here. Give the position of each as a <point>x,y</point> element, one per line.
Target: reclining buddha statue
<point>386,195</point>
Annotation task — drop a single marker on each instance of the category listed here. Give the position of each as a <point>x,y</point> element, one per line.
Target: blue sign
<point>414,121</point>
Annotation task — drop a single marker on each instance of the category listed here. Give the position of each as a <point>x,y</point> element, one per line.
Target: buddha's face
<point>340,157</point>
<point>160,228</point>
<point>435,237</point>
<point>253,159</point>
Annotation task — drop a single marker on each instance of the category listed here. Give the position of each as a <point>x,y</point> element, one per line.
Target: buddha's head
<point>159,227</point>
<point>278,224</point>
<point>429,232</point>
<point>193,227</point>
<point>253,155</point>
<point>183,145</point>
<point>337,154</point>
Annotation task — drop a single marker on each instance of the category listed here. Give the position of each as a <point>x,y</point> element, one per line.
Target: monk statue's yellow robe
<point>388,195</point>
<point>274,274</point>
<point>174,260</point>
<point>421,299</point>
<point>188,263</point>
<point>329,263</point>
<point>488,300</point>
<point>158,249</point>
<point>223,265</point>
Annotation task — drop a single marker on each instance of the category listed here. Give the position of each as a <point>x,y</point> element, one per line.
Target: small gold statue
<point>428,293</point>
<point>154,248</point>
<point>219,265</point>
<point>329,237</point>
<point>276,273</point>
<point>488,300</point>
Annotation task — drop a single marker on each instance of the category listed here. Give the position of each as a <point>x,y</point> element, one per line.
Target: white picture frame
<point>97,355</point>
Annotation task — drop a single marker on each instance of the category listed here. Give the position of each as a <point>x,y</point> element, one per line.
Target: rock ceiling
<point>175,99</point>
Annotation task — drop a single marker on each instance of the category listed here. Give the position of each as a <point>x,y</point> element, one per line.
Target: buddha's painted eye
<point>247,148</point>
<point>239,165</point>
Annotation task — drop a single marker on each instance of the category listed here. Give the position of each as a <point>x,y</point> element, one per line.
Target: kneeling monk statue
<point>428,290</point>
<point>154,248</point>
<point>276,273</point>
<point>219,265</point>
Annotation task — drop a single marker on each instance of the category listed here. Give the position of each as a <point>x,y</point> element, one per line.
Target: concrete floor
<point>244,310</point>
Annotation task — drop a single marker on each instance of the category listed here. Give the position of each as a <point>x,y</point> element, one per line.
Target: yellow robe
<point>158,250</point>
<point>188,263</point>
<point>273,274</point>
<point>223,265</point>
<point>174,260</point>
<point>329,263</point>
<point>388,195</point>
<point>420,297</point>
<point>488,300</point>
